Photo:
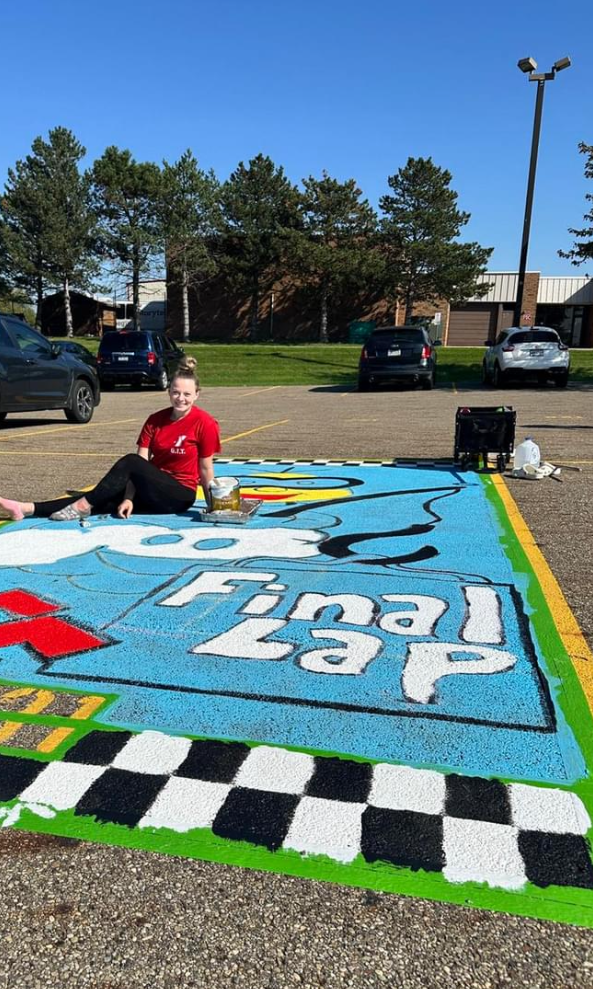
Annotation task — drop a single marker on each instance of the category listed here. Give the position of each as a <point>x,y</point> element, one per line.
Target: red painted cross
<point>48,635</point>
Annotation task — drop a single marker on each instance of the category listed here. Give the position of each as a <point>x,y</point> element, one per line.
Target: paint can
<point>225,494</point>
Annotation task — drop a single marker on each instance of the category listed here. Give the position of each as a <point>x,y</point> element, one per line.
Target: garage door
<point>471,326</point>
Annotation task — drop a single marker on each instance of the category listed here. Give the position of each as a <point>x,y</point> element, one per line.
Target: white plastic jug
<point>526,453</point>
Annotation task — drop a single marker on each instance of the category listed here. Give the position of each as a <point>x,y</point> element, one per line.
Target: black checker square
<point>256,816</point>
<point>212,761</point>
<point>120,797</point>
<point>477,799</point>
<point>556,859</point>
<point>340,779</point>
<point>403,837</point>
<point>17,774</point>
<point>98,748</point>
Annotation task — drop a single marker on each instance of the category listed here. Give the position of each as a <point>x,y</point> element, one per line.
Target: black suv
<point>135,357</point>
<point>35,375</point>
<point>397,353</point>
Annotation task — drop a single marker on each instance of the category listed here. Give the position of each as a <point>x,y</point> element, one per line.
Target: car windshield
<point>124,341</point>
<point>544,336</point>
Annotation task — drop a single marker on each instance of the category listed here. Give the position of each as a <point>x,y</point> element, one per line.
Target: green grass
<point>327,364</point>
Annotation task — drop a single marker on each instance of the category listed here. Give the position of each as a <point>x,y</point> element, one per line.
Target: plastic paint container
<point>225,494</point>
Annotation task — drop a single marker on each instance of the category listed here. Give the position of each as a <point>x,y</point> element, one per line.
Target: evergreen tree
<point>68,220</point>
<point>126,196</point>
<point>423,261</point>
<point>22,228</point>
<point>334,251</point>
<point>191,219</point>
<point>260,209</point>
<point>583,251</point>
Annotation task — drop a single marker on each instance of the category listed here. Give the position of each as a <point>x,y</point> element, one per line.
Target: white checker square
<point>326,827</point>
<point>535,808</point>
<point>406,788</point>
<point>278,770</point>
<point>481,852</point>
<point>61,785</point>
<point>184,804</point>
<point>152,752</point>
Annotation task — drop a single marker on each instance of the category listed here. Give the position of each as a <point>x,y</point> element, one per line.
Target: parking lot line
<point>247,394</point>
<point>566,623</point>
<point>52,453</point>
<point>248,432</point>
<point>62,429</point>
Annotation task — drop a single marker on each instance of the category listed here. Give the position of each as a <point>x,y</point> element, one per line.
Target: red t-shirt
<point>176,445</point>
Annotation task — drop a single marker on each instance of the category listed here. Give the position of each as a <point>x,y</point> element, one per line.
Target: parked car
<point>530,350</point>
<point>136,357</point>
<point>35,375</point>
<point>83,353</point>
<point>397,353</point>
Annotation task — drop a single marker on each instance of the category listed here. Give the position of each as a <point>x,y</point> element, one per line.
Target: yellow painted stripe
<point>248,432</point>
<point>566,623</point>
<point>41,699</point>
<point>87,706</point>
<point>454,387</point>
<point>55,738</point>
<point>63,429</point>
<point>9,729</point>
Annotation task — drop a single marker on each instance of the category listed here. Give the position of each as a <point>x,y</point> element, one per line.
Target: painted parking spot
<point>365,684</point>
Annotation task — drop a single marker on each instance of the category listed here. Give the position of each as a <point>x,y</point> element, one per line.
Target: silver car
<point>530,350</point>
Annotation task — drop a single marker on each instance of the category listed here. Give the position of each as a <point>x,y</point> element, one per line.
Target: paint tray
<point>248,508</point>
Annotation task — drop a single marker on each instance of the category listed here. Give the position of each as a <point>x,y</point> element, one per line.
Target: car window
<point>123,341</point>
<point>500,338</point>
<point>27,339</point>
<point>5,340</point>
<point>521,337</point>
<point>544,336</point>
<point>402,336</point>
<point>157,343</point>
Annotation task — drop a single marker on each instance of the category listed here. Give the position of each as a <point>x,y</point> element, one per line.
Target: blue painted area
<point>404,531</point>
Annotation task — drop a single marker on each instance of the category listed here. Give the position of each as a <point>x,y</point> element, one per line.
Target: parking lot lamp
<point>529,65</point>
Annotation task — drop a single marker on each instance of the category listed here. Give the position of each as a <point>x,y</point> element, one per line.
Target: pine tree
<point>423,260</point>
<point>583,251</point>
<point>125,197</point>
<point>68,220</point>
<point>22,229</point>
<point>260,209</point>
<point>191,220</point>
<point>334,250</point>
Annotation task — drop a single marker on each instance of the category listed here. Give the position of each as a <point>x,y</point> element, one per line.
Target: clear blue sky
<point>351,86</point>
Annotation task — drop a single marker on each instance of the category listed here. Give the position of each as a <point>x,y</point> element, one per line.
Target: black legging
<point>156,491</point>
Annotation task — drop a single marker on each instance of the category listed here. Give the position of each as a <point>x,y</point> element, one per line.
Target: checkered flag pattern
<point>468,828</point>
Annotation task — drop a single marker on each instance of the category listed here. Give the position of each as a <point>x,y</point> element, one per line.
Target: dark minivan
<point>397,353</point>
<point>136,357</point>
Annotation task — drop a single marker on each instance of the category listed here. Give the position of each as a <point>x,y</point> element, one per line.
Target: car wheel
<point>363,384</point>
<point>83,403</point>
<point>498,376</point>
<point>561,380</point>
<point>428,383</point>
<point>163,381</point>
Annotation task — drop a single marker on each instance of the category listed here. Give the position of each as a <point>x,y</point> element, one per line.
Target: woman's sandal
<point>70,514</point>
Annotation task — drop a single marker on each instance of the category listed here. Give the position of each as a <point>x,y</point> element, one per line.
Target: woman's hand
<point>125,509</point>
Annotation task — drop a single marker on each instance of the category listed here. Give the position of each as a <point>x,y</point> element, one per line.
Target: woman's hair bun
<point>187,364</point>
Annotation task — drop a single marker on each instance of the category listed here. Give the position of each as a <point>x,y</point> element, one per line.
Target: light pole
<point>529,65</point>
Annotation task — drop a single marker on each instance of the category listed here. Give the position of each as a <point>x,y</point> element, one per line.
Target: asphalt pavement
<point>75,915</point>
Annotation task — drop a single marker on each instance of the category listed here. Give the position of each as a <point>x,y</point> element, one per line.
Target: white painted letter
<point>212,582</point>
<point>422,621</point>
<point>247,641</point>
<point>483,622</point>
<point>428,662</point>
<point>360,649</point>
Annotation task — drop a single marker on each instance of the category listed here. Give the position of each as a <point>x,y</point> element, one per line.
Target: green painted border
<point>565,904</point>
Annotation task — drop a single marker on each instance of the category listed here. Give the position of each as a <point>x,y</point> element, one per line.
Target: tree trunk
<point>409,308</point>
<point>39,296</point>
<point>323,337</point>
<point>254,312</point>
<point>68,309</point>
<point>185,303</point>
<point>136,288</point>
